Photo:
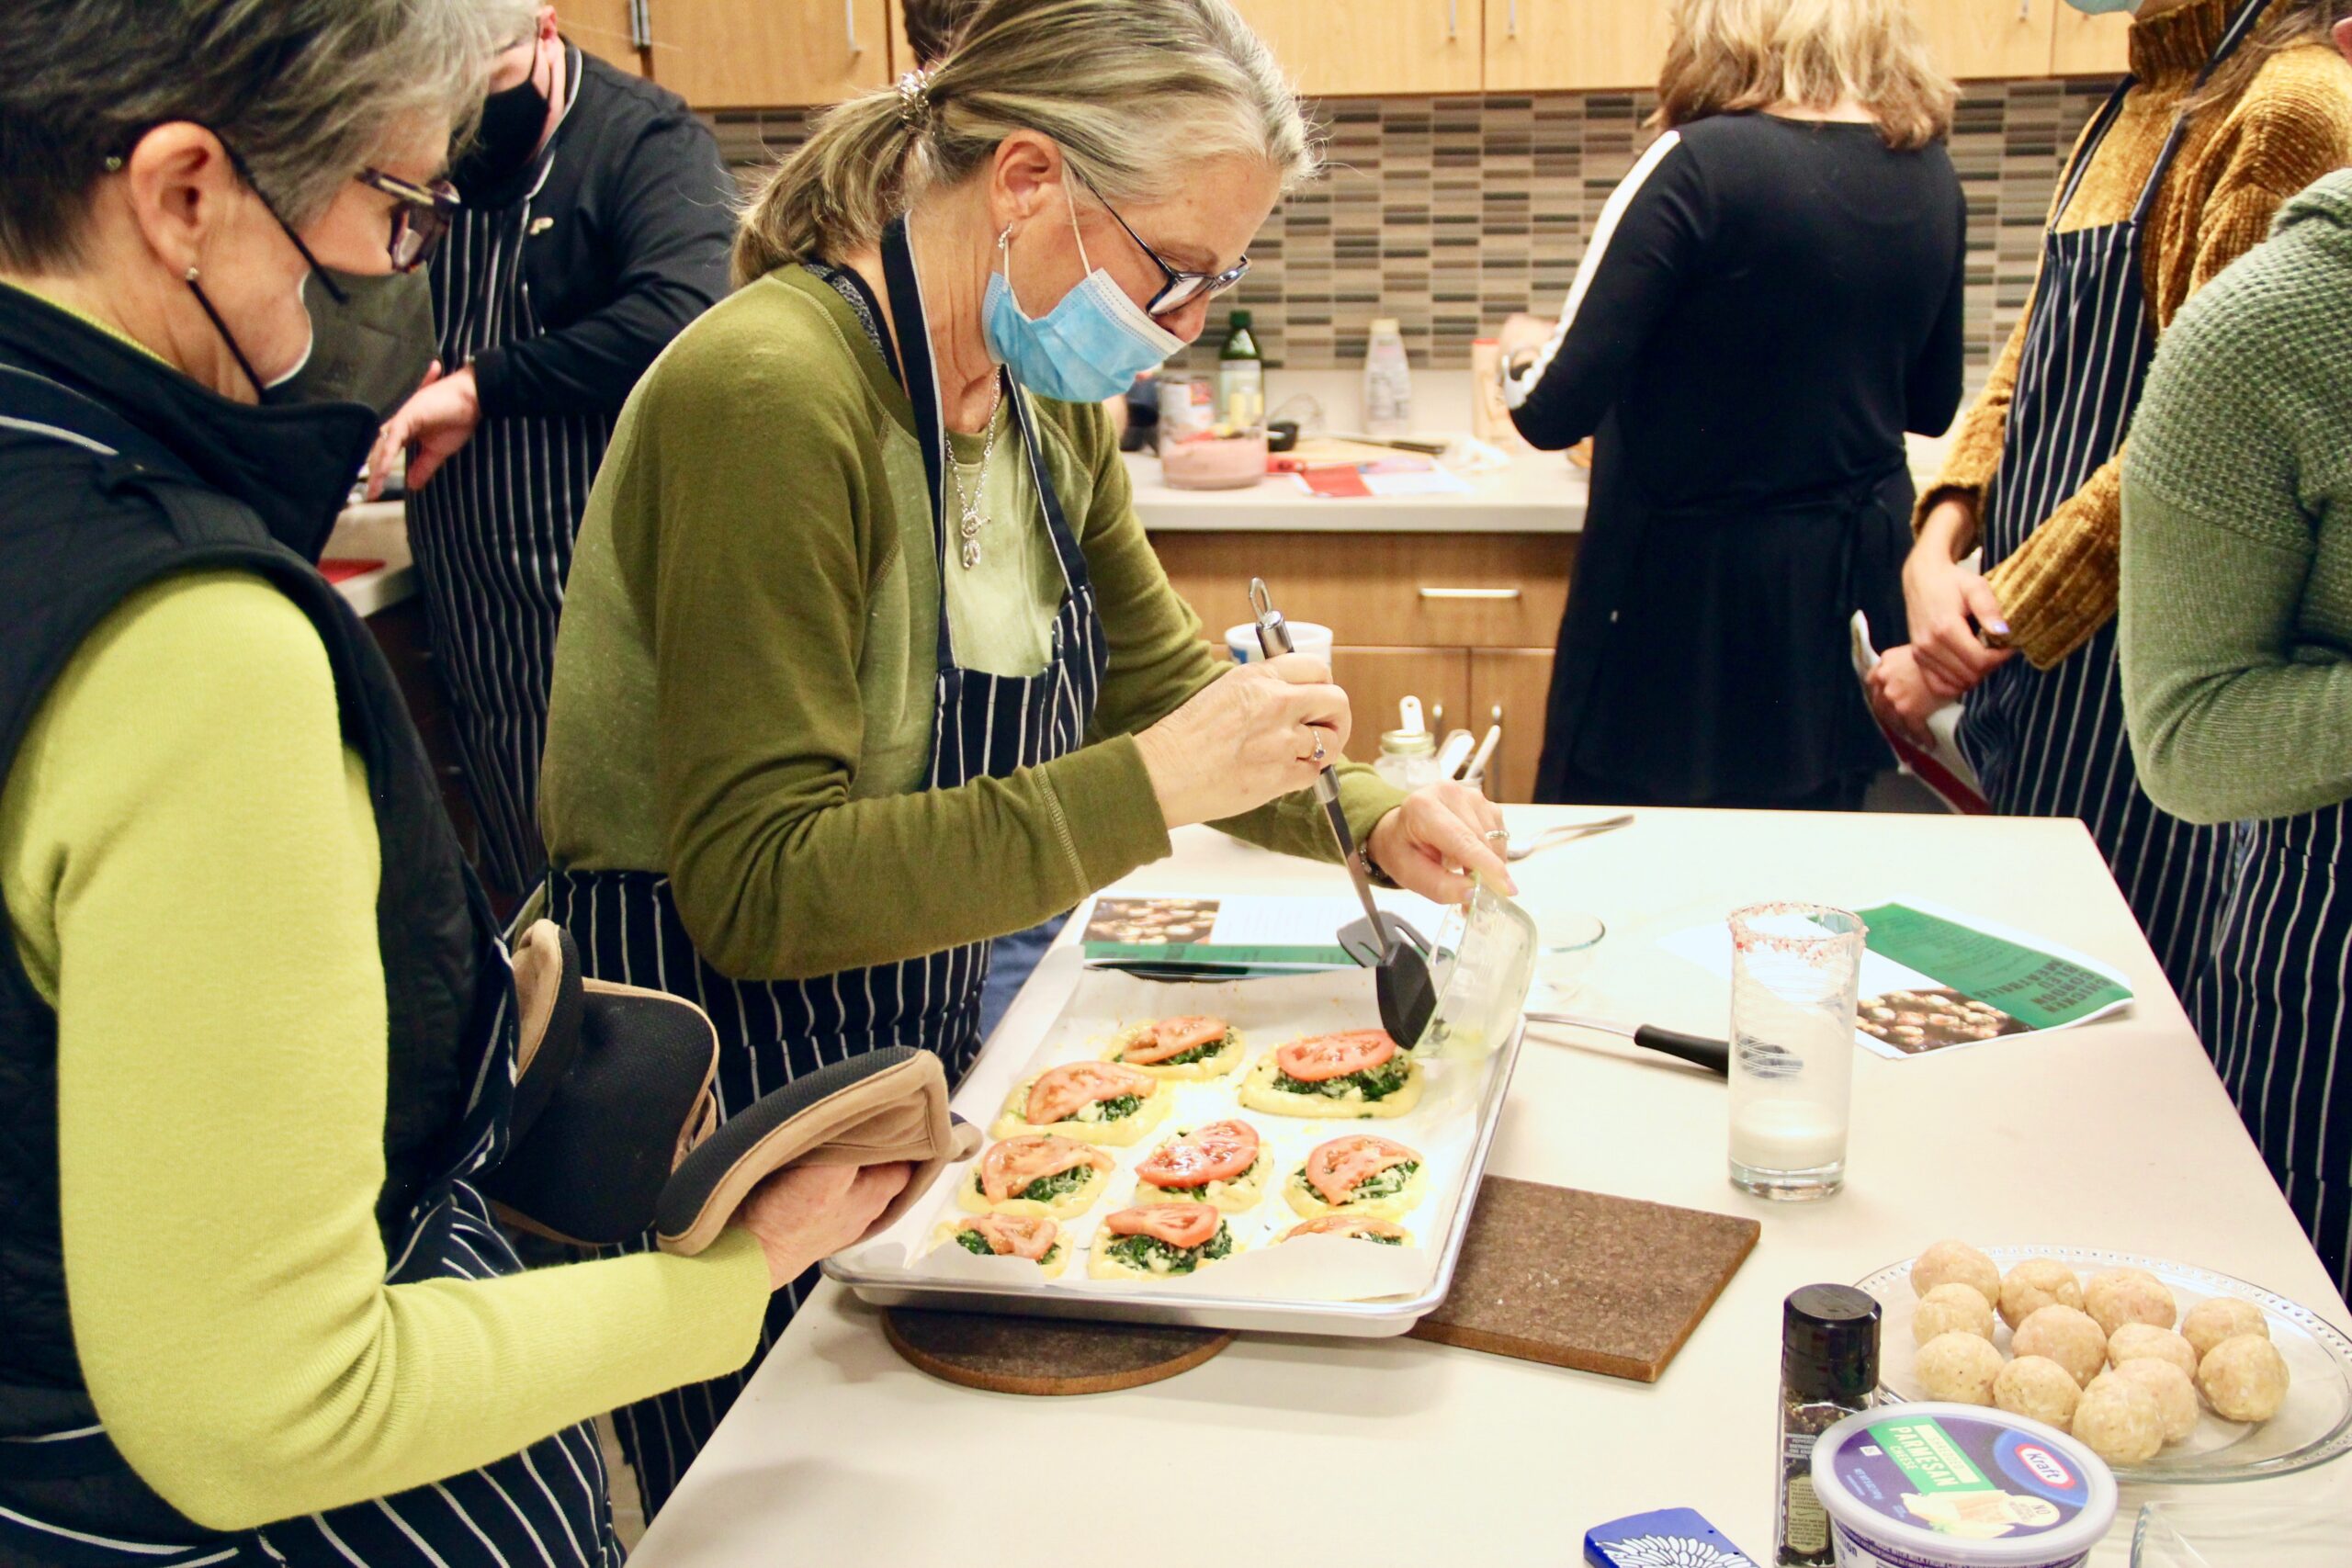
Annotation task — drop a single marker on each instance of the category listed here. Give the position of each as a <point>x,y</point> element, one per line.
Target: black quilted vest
<point>197,482</point>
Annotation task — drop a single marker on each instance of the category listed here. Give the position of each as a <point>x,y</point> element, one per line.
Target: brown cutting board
<point>1578,1280</point>
<point>1046,1356</point>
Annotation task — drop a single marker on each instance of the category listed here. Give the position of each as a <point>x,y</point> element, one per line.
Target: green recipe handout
<point>1935,979</point>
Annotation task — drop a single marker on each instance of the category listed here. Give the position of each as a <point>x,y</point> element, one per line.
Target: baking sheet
<point>1316,1283</point>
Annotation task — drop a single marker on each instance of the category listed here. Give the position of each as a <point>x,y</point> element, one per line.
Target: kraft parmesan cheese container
<point>1960,1486</point>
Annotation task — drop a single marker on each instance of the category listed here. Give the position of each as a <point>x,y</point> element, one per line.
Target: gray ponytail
<point>1135,92</point>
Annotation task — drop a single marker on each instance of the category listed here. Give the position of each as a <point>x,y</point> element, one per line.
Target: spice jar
<point>1829,1370</point>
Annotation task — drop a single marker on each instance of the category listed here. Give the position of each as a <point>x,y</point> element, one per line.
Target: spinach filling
<point>1197,1054</point>
<point>1046,1189</point>
<point>1256,1166</point>
<point>1380,1184</point>
<point>1112,1110</point>
<point>974,1242</point>
<point>1378,1083</point>
<point>1383,1240</point>
<point>1138,1252</point>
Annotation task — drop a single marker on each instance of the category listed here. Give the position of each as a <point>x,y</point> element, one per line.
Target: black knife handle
<point>1696,1049</point>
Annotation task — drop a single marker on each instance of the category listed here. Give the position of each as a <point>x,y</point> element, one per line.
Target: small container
<point>1960,1486</point>
<point>1795,969</point>
<point>1309,638</point>
<point>1408,753</point>
<point>1829,1367</point>
<point>1387,381</point>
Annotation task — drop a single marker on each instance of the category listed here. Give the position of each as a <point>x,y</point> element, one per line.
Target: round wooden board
<point>1045,1355</point>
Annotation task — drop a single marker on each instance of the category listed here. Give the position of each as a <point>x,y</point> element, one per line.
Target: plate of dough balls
<point>2170,1373</point>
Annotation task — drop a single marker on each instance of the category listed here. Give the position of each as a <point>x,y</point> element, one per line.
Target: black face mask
<point>512,124</point>
<point>371,341</point>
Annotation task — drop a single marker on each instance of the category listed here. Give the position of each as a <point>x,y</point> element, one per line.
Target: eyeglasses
<point>1182,288</point>
<point>420,216</point>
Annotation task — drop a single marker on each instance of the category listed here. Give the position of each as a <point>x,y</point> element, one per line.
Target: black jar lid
<point>1829,1343</point>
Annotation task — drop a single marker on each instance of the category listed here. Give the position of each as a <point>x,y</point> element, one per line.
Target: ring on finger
<point>1498,835</point>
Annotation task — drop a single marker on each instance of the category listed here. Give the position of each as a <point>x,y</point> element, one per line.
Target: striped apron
<point>551,1503</point>
<point>2274,1006</point>
<point>493,534</point>
<point>773,1031</point>
<point>2051,743</point>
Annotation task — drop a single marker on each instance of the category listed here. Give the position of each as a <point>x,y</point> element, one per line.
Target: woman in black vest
<point>257,1045</point>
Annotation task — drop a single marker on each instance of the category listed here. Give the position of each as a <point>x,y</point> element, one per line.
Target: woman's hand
<point>1947,602</point>
<point>433,426</point>
<point>1246,737</point>
<point>805,1214</point>
<point>1903,693</point>
<point>1431,843</point>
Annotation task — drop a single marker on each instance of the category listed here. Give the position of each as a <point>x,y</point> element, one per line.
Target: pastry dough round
<point>1100,1265</point>
<point>1110,1134</point>
<point>1258,1093</point>
<point>1057,1257</point>
<point>2224,1317</point>
<point>2245,1379</point>
<point>972,1200</point>
<point>1215,1065</point>
<point>1227,1197</point>
<point>1308,1203</point>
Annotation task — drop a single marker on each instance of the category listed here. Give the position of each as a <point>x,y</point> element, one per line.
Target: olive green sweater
<point>749,635</point>
<point>2237,540</point>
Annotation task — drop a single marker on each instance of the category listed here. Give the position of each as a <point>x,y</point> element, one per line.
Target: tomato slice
<point>1178,1224</point>
<point>1322,1058</point>
<point>1016,1235</point>
<point>1221,1151</point>
<point>1346,1224</point>
<point>1336,1168</point>
<point>1009,1167</point>
<point>1061,1092</point>
<point>1171,1037</point>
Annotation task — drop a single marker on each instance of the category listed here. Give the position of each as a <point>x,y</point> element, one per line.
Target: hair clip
<point>915,99</point>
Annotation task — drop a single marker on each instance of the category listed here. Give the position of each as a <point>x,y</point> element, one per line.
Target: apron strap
<point>2240,28</point>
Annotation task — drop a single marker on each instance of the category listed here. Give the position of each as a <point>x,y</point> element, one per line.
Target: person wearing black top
<point>1770,300</point>
<point>597,221</point>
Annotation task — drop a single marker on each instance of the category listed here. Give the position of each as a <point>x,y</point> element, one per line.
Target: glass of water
<point>1795,970</point>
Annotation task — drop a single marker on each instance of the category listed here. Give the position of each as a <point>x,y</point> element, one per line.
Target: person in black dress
<point>1770,300</point>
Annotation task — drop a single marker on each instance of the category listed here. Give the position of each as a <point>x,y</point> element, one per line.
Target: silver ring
<point>1498,835</point>
<point>1318,750</point>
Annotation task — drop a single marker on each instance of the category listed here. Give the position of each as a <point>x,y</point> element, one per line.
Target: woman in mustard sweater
<point>255,1026</point>
<point>2232,107</point>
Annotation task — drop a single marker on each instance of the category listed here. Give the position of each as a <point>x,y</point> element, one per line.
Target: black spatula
<point>1396,955</point>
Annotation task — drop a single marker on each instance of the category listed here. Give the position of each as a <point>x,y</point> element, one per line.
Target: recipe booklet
<point>1260,933</point>
<point>1936,980</point>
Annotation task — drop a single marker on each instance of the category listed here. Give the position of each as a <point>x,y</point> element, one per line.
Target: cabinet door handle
<point>1510,15</point>
<point>849,17</point>
<point>640,24</point>
<point>1486,593</point>
<point>1453,19</point>
<point>2025,10</point>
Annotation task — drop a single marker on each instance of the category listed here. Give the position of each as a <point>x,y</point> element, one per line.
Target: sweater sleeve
<point>1648,236</point>
<point>190,862</point>
<point>668,216</point>
<point>2059,587</point>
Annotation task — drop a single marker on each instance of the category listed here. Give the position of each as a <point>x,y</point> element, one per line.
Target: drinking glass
<point>1795,969</point>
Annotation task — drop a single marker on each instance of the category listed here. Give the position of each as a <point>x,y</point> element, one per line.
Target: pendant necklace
<point>971,494</point>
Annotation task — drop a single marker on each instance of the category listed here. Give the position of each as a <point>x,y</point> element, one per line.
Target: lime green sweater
<point>743,679</point>
<point>2236,635</point>
<point>189,859</point>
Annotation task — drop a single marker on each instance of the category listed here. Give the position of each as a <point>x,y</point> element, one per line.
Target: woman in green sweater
<point>2236,647</point>
<point>865,658</point>
<point>256,1029</point>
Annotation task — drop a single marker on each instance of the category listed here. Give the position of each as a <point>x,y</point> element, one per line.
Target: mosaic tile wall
<point>1452,213</point>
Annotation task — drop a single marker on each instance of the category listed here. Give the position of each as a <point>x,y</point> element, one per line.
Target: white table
<point>2116,1134</point>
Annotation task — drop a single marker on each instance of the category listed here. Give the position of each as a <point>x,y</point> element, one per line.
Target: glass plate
<point>2314,1426</point>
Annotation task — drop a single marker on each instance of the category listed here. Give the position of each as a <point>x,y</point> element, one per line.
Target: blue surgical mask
<point>1090,347</point>
<point>2101,8</point>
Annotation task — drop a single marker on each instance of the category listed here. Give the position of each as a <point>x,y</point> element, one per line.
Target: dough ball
<point>2129,1295</point>
<point>2224,1317</point>
<point>2174,1394</point>
<point>2140,1341</point>
<point>2036,1283</point>
<point>1955,1263</point>
<point>2067,1337</point>
<point>2038,1389</point>
<point>2244,1378</point>
<point>1952,1309</point>
<point>2119,1421</point>
<point>1959,1367</point>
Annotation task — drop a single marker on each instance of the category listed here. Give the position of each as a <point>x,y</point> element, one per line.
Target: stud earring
<point>191,272</point>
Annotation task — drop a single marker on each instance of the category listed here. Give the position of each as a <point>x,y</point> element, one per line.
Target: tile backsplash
<point>1452,213</point>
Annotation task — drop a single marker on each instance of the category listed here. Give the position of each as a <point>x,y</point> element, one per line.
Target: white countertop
<point>1535,495</point>
<point>2115,1134</point>
<point>377,532</point>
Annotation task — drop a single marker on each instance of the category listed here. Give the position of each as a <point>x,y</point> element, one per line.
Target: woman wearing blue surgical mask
<point>867,660</point>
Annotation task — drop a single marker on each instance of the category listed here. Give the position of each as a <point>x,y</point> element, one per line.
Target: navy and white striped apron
<point>549,1503</point>
<point>2051,743</point>
<point>773,1031</point>
<point>493,534</point>
<point>2274,1007</point>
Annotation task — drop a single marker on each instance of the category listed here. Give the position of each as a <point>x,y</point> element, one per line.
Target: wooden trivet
<point>1578,1280</point>
<point>1045,1355</point>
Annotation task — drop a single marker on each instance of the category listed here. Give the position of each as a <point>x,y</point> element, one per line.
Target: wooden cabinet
<point>2090,46</point>
<point>1343,48</point>
<point>1974,38</point>
<point>602,28</point>
<point>1561,45</point>
<point>721,54</point>
<point>1465,621</point>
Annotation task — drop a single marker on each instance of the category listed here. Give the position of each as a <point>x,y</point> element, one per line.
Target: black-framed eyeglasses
<point>1182,288</point>
<point>420,216</point>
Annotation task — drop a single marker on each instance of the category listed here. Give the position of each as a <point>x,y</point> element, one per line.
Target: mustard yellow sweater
<point>2238,163</point>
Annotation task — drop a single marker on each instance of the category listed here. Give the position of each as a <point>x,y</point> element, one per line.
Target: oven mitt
<point>884,1106</point>
<point>613,1087</point>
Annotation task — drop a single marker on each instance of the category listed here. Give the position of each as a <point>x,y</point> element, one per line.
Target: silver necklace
<point>970,497</point>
